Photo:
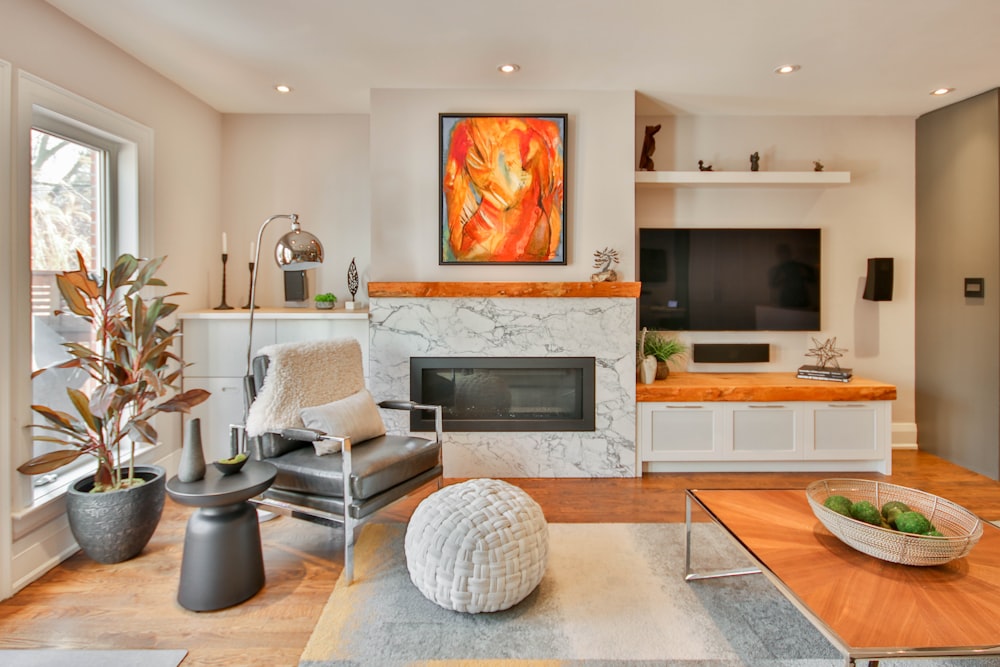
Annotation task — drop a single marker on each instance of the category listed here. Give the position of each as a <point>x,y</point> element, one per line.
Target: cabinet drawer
<point>764,431</point>
<point>681,432</point>
<point>846,431</point>
<point>218,348</point>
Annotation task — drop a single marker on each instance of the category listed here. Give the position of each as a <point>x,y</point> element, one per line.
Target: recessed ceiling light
<point>282,88</point>
<point>942,91</point>
<point>787,69</point>
<point>508,68</point>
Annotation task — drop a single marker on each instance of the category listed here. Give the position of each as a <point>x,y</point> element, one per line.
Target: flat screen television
<point>730,279</point>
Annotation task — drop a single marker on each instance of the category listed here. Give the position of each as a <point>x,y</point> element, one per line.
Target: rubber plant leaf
<point>49,462</point>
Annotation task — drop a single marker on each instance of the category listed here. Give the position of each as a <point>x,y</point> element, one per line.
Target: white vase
<point>647,370</point>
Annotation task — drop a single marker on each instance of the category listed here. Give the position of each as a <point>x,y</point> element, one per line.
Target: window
<point>71,188</point>
<point>90,185</point>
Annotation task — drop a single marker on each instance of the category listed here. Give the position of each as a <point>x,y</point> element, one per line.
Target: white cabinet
<point>214,343</point>
<point>764,436</point>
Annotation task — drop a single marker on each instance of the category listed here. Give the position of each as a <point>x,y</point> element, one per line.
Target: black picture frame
<point>507,204</point>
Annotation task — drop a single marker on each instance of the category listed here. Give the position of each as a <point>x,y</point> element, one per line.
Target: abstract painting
<point>503,189</point>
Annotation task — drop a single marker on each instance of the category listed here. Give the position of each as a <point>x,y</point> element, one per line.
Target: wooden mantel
<point>504,289</point>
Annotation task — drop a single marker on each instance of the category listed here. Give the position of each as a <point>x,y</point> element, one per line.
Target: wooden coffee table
<point>868,608</point>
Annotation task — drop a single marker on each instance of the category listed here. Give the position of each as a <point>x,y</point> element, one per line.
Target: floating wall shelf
<point>698,178</point>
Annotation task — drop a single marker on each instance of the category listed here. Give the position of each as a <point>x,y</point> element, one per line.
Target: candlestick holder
<point>250,290</point>
<point>224,305</point>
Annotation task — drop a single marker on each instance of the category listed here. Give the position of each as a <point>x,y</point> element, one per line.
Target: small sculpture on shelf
<point>603,259</point>
<point>352,285</point>
<point>704,167</point>
<point>648,148</point>
<point>755,161</point>
<point>817,165</point>
<point>826,352</point>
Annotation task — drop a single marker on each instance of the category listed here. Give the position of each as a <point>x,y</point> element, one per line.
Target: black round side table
<point>222,564</point>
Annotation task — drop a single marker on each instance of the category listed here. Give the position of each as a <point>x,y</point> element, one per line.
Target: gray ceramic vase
<point>192,465</point>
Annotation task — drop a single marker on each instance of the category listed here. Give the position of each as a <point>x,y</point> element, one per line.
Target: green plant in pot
<point>325,301</point>
<point>666,349</point>
<point>133,376</point>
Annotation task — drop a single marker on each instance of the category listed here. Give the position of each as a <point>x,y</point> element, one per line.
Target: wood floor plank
<point>83,604</point>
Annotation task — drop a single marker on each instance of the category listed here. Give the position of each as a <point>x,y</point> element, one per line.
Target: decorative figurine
<point>352,285</point>
<point>817,165</point>
<point>755,161</point>
<point>603,260</point>
<point>826,353</point>
<point>704,167</point>
<point>648,148</point>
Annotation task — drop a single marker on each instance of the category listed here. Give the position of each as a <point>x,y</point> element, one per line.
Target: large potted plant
<point>133,375</point>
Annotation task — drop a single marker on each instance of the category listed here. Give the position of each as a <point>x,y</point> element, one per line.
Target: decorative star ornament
<point>826,352</point>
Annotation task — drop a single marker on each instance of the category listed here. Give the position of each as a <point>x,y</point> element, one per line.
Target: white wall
<point>38,40</point>
<point>873,216</point>
<point>405,187</point>
<point>314,165</point>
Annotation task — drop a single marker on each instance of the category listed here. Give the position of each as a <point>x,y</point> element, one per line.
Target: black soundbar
<point>731,353</point>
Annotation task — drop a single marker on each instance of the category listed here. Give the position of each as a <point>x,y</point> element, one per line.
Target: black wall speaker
<point>731,353</point>
<point>295,286</point>
<point>878,284</point>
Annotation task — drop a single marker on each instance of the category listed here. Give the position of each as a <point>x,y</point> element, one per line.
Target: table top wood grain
<point>871,605</point>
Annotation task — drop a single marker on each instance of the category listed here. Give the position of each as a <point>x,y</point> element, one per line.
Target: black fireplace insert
<point>504,393</point>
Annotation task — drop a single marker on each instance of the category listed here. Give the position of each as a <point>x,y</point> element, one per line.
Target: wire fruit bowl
<point>960,527</point>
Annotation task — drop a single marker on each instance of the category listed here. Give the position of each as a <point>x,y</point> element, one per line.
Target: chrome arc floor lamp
<point>297,250</point>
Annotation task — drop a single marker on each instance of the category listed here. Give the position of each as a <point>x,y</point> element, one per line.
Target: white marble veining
<point>602,328</point>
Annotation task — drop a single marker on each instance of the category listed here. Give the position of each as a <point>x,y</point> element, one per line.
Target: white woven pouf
<point>477,546</point>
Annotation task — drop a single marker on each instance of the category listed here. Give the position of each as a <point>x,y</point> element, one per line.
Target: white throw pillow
<point>356,417</point>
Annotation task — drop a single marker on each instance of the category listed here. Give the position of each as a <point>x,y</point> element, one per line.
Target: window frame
<point>44,105</point>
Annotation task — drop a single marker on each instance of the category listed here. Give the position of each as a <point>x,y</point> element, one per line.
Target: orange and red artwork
<point>503,182</point>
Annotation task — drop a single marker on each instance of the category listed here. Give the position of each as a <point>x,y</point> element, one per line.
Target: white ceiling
<point>858,57</point>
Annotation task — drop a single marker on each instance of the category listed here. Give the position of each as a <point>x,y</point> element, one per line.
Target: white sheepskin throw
<point>302,375</point>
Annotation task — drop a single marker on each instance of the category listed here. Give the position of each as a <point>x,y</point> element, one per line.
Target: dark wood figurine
<point>755,161</point>
<point>648,148</point>
<point>704,167</point>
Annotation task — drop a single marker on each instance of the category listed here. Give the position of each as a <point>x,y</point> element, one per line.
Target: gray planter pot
<point>115,526</point>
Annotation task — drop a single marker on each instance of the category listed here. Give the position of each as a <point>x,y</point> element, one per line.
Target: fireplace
<point>505,393</point>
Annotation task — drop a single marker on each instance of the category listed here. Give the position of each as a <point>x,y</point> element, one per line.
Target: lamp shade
<point>298,250</point>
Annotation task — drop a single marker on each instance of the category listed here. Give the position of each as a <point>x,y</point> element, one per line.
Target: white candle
<point>253,247</point>
<point>223,243</point>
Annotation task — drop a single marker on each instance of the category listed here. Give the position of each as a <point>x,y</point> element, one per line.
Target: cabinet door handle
<point>685,407</point>
<point>769,406</point>
<point>846,405</point>
<point>230,389</point>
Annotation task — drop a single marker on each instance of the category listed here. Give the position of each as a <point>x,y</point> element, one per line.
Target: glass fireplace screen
<point>504,393</point>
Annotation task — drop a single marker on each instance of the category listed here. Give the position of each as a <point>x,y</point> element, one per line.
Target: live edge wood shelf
<point>760,387</point>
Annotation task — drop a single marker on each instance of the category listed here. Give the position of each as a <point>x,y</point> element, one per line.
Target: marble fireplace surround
<point>507,319</point>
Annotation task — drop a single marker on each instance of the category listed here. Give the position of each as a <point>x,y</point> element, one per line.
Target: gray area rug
<point>88,658</point>
<point>613,595</point>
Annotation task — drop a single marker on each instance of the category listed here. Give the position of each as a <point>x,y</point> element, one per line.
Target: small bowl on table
<point>230,466</point>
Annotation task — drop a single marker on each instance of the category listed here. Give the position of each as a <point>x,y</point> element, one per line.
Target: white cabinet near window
<point>215,345</point>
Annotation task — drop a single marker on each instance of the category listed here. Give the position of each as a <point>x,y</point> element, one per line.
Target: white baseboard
<point>904,435</point>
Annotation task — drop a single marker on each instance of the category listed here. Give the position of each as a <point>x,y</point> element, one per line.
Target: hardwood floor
<point>133,605</point>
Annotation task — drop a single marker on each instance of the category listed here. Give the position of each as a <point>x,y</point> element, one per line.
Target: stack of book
<point>824,373</point>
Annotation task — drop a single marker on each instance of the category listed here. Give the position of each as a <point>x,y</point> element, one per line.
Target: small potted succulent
<point>325,301</point>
